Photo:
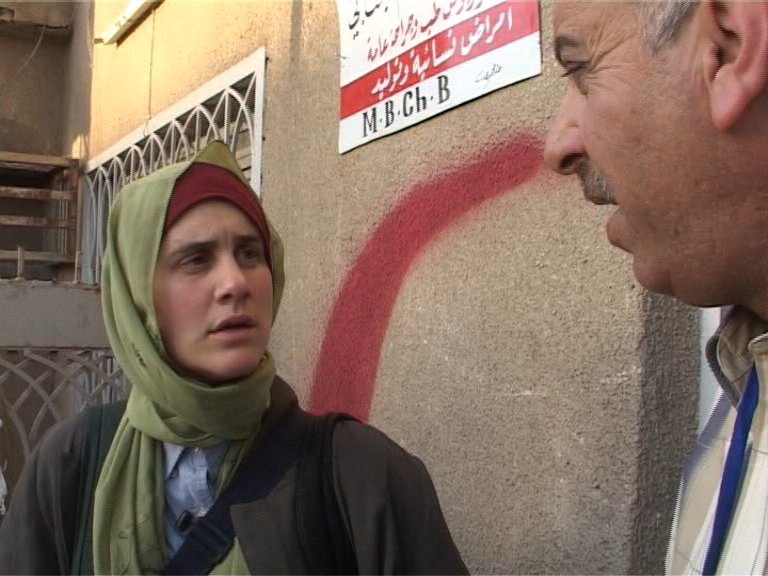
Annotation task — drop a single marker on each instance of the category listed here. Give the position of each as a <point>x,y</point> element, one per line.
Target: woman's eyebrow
<point>241,238</point>
<point>192,246</point>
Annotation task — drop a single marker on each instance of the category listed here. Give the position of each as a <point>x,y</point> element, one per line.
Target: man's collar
<point>732,350</point>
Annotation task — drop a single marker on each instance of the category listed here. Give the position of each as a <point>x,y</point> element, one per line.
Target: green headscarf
<point>163,405</point>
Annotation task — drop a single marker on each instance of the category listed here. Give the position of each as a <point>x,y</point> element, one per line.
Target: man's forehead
<point>595,26</point>
<point>584,18</point>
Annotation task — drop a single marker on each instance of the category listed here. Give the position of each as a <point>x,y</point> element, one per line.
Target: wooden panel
<point>34,257</point>
<point>73,241</point>
<point>34,193</point>
<point>22,158</point>
<point>33,222</point>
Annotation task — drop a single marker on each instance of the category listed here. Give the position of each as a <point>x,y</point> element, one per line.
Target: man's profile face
<point>632,126</point>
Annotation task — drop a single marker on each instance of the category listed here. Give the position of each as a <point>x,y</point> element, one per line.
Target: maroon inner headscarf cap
<point>202,182</point>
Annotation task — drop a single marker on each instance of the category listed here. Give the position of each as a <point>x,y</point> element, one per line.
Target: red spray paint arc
<point>345,375</point>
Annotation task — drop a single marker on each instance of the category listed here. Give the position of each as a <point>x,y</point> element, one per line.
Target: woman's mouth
<point>234,326</point>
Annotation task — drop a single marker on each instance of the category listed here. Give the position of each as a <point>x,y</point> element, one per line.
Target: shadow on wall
<point>3,487</point>
<point>14,135</point>
<point>345,376</point>
<point>77,126</point>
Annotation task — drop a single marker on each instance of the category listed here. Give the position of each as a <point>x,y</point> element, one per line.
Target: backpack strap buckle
<point>210,540</point>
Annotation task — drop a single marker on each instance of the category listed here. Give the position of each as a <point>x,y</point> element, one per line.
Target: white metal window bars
<point>228,108</point>
<point>42,386</point>
<point>38,385</point>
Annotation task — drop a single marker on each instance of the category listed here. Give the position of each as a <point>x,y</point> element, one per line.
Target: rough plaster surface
<point>50,315</point>
<point>31,96</point>
<point>550,397</point>
<point>563,494</point>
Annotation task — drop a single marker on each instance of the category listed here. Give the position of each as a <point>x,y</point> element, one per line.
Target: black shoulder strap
<point>212,536</point>
<point>324,539</point>
<point>323,534</point>
<point>100,425</point>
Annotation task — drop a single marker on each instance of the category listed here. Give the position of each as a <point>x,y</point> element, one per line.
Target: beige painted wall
<point>550,397</point>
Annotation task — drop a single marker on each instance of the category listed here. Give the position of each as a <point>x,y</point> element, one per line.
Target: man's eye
<point>573,68</point>
<point>576,71</point>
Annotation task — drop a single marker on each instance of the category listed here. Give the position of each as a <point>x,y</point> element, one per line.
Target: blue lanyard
<point>731,481</point>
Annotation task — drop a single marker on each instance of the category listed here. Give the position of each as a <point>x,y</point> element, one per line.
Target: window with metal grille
<point>229,108</point>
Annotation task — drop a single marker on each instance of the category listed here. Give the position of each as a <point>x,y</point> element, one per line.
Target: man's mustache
<point>596,188</point>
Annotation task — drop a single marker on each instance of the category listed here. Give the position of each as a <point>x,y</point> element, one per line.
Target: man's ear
<point>736,56</point>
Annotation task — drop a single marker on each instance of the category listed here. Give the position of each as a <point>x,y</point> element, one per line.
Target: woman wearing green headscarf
<point>191,284</point>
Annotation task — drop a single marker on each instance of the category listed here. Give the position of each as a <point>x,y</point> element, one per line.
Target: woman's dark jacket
<point>388,504</point>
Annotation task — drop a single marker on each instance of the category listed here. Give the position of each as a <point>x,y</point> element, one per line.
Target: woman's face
<point>213,293</point>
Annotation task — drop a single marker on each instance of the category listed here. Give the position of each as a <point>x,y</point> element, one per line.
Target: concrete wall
<point>76,107</point>
<point>443,284</point>
<point>32,75</point>
<point>45,81</point>
<point>50,315</point>
<point>34,97</point>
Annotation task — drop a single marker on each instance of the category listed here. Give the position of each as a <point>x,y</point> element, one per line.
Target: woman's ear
<point>735,45</point>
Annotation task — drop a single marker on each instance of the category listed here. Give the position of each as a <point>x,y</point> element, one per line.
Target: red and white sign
<point>403,61</point>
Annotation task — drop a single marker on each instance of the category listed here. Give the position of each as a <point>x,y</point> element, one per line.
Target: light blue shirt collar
<point>190,485</point>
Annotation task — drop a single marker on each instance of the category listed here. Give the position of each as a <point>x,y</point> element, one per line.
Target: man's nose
<point>231,281</point>
<point>564,147</point>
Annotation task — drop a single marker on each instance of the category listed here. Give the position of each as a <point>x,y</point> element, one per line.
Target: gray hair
<point>662,20</point>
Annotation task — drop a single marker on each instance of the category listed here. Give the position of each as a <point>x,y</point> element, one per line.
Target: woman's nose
<point>230,279</point>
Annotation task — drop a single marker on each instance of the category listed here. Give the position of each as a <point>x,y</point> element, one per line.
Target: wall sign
<point>403,61</point>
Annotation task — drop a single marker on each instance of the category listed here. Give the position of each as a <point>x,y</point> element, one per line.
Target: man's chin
<point>652,278</point>
<point>613,232</point>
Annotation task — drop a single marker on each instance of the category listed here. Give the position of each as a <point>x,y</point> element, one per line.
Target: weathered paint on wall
<point>32,76</point>
<point>348,363</point>
<point>35,39</point>
<point>444,285</point>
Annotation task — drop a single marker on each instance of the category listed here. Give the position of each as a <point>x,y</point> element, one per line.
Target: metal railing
<point>41,387</point>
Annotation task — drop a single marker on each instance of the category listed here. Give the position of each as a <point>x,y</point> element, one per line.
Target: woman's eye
<point>252,254</point>
<point>194,261</point>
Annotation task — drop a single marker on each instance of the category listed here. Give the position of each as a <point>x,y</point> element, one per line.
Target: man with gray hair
<point>665,117</point>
